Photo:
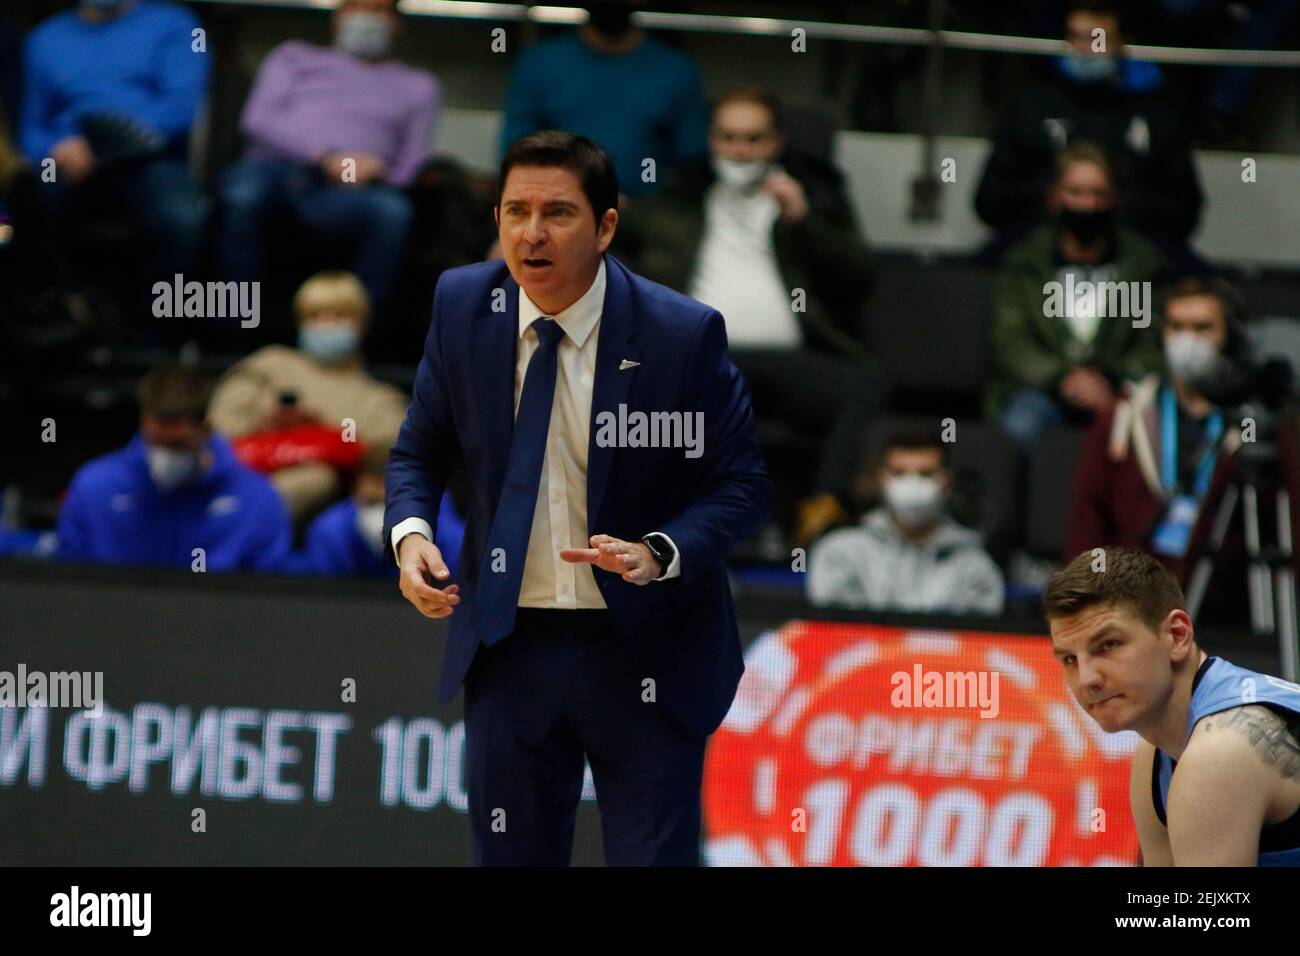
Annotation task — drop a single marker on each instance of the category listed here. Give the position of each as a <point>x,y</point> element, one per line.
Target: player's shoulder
<point>1247,738</point>
<point>1144,756</point>
<point>1244,720</point>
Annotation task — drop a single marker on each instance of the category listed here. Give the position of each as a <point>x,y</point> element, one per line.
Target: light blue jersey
<point>1218,686</point>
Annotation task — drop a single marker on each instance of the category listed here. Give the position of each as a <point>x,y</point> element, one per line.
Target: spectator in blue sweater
<point>175,489</point>
<point>346,540</point>
<point>111,91</point>
<point>639,98</point>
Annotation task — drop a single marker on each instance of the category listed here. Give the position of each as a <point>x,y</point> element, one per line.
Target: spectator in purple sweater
<point>334,136</point>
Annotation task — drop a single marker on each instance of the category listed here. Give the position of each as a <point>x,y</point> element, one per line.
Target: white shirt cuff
<point>674,568</point>
<point>410,526</point>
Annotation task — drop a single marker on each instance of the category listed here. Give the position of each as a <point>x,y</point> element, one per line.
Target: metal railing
<point>769,26</point>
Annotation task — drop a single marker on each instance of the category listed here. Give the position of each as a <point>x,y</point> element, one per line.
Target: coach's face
<point>1120,671</point>
<point>549,235</point>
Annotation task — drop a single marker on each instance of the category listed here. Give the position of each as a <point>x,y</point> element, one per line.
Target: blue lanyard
<point>1169,445</point>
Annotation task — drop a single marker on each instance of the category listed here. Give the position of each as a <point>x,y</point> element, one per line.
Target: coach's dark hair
<point>175,391</point>
<point>581,156</point>
<point>1114,577</point>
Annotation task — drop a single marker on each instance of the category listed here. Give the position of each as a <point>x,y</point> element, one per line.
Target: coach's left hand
<point>631,560</point>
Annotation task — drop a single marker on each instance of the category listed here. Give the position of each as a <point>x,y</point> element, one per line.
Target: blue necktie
<point>498,591</point>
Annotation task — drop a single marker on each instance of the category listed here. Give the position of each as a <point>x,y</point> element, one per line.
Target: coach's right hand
<point>418,557</point>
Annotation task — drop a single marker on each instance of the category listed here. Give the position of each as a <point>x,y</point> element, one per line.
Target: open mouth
<point>537,262</point>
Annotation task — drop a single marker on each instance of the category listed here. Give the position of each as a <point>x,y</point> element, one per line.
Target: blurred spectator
<point>1262,26</point>
<point>1059,356</point>
<point>744,230</point>
<point>907,554</point>
<point>11,70</point>
<point>636,96</point>
<point>1154,467</point>
<point>1106,98</point>
<point>37,319</point>
<point>334,137</point>
<point>175,489</point>
<point>346,540</point>
<point>112,89</point>
<point>27,248</point>
<point>320,382</point>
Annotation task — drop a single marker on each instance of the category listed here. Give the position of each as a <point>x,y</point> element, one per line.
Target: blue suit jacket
<point>682,631</point>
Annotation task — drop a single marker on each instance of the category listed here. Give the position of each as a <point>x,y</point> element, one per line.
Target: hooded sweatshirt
<point>873,566</point>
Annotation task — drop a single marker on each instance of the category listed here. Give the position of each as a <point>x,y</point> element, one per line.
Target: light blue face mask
<point>1088,67</point>
<point>365,35</point>
<point>329,342</point>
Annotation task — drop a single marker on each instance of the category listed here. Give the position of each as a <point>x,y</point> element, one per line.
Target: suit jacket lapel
<point>496,336</point>
<point>617,341</point>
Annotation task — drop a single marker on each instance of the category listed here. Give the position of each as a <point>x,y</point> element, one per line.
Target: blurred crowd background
<point>940,435</point>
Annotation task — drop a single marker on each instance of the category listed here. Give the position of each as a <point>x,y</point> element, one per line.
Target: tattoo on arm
<point>1268,735</point>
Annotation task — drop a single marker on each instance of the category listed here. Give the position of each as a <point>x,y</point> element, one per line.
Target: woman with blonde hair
<point>322,381</point>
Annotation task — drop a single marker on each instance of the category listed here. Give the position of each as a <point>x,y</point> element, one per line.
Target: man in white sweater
<point>907,554</point>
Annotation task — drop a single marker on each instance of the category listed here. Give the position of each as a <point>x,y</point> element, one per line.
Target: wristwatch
<point>662,550</point>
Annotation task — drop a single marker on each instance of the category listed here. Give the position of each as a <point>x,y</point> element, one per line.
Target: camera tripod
<point>1270,575</point>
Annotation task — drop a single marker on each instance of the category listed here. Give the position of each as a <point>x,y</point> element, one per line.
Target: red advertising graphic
<point>857,745</point>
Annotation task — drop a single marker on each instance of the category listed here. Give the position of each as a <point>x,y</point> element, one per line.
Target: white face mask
<point>916,501</point>
<point>1191,358</point>
<point>365,35</point>
<point>743,173</point>
<point>172,469</point>
<point>370,525</point>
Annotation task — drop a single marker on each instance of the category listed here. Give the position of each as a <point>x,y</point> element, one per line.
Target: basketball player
<point>1216,776</point>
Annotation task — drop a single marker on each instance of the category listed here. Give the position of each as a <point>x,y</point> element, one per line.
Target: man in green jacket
<point>1073,306</point>
<point>766,236</point>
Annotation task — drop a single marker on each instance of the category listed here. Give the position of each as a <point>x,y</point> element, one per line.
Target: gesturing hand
<point>631,560</point>
<point>417,556</point>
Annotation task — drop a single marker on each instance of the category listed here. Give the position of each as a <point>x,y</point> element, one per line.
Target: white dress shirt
<point>560,518</point>
<point>736,270</point>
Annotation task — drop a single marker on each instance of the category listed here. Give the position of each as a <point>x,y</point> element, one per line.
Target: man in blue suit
<point>614,462</point>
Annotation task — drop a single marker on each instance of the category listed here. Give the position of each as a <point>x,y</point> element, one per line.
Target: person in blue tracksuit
<point>175,495</point>
<point>1216,776</point>
<point>346,539</point>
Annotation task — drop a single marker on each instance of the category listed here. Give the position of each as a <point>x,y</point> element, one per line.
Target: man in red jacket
<point>1153,468</point>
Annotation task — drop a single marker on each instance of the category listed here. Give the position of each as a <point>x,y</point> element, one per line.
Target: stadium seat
<point>929,323</point>
<point>1051,475</point>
